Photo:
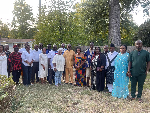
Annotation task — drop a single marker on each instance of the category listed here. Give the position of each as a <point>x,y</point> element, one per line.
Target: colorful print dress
<point>120,84</point>
<point>81,72</point>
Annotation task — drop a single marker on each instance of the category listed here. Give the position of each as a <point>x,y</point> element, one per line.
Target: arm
<point>49,66</point>
<point>24,58</point>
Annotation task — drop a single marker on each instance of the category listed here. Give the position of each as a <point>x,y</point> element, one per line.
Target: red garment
<point>15,60</point>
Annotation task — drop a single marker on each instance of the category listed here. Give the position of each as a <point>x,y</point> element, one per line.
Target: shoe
<point>140,100</point>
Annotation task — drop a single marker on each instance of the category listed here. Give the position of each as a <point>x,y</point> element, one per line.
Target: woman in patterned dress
<point>80,68</point>
<point>120,84</point>
<point>98,69</point>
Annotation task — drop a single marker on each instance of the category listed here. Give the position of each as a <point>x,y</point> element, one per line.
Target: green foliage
<point>4,30</point>
<point>143,33</point>
<point>22,20</point>
<point>6,88</point>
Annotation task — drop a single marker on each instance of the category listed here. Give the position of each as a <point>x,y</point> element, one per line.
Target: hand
<point>90,68</point>
<point>100,69</point>
<point>55,69</point>
<point>129,74</point>
<point>146,73</point>
<point>44,67</point>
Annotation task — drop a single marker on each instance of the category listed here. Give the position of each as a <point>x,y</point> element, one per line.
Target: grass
<point>72,99</point>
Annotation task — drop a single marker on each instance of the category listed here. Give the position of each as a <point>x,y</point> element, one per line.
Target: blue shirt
<point>47,51</point>
<point>88,56</point>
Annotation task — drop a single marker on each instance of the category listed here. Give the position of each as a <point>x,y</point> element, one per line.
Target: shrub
<point>6,92</point>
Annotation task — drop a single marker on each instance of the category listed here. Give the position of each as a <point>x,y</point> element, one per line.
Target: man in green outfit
<point>139,62</point>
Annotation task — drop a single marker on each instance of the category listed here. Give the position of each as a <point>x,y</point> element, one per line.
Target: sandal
<point>140,100</point>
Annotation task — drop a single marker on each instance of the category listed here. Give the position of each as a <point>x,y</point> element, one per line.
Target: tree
<point>22,20</point>
<point>4,30</point>
<point>143,33</point>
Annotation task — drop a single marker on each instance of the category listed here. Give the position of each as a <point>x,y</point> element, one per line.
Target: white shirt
<point>51,55</point>
<point>43,60</point>
<point>111,56</point>
<point>23,49</point>
<point>27,57</point>
<point>36,55</point>
<point>60,62</point>
<point>3,65</point>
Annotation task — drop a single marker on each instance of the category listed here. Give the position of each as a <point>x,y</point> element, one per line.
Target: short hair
<point>78,48</point>
<point>138,41</point>
<point>2,47</point>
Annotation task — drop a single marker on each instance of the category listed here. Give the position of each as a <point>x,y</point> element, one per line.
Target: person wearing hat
<point>58,63</point>
<point>63,50</point>
<point>15,64</point>
<point>110,57</point>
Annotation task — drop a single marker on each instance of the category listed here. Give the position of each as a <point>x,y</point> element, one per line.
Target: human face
<point>138,45</point>
<point>59,52</point>
<point>105,48</point>
<point>1,48</point>
<point>49,47</point>
<point>16,49</point>
<point>63,45</point>
<point>44,50</point>
<point>97,50</point>
<point>27,48</point>
<point>78,51</point>
<point>91,46</point>
<point>112,49</point>
<point>54,47</point>
<point>40,46</point>
<point>69,46</point>
<point>122,49</point>
<point>36,47</point>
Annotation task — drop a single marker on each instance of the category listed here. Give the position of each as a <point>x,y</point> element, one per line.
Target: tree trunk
<point>114,22</point>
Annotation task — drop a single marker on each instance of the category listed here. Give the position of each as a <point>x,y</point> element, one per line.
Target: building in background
<point>12,42</point>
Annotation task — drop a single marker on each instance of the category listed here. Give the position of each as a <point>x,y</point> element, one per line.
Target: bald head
<point>138,45</point>
<point>138,41</point>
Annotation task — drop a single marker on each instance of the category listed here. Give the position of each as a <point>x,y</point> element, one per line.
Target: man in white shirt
<point>51,55</point>
<point>27,60</point>
<point>23,49</point>
<point>110,57</point>
<point>58,63</point>
<point>35,67</point>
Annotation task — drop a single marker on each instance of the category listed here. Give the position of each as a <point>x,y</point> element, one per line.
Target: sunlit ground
<point>66,98</point>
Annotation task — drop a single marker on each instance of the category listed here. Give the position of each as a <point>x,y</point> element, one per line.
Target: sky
<point>7,6</point>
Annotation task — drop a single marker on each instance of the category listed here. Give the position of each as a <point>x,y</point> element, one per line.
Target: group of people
<point>108,69</point>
